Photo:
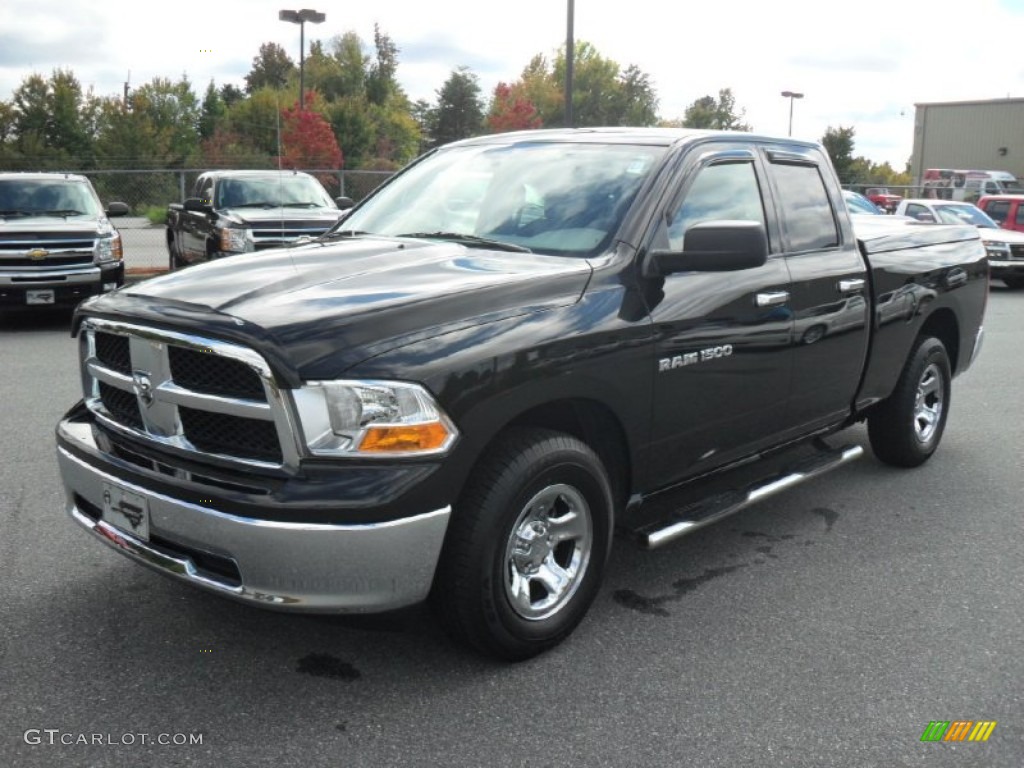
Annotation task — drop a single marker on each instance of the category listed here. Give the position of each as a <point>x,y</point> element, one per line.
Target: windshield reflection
<point>552,198</point>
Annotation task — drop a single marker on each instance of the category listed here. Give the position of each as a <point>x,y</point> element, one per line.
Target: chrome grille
<point>186,394</point>
<point>63,249</point>
<point>278,234</point>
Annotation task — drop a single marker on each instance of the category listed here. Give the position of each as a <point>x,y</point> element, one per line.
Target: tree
<point>231,94</point>
<point>173,110</point>
<point>271,67</point>
<point>716,114</point>
<point>838,142</point>
<point>511,110</point>
<point>307,140</point>
<point>381,83</point>
<point>460,113</point>
<point>352,121</point>
<point>637,98</point>
<point>212,112</point>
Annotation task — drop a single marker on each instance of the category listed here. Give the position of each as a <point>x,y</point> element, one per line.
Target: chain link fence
<point>148,193</point>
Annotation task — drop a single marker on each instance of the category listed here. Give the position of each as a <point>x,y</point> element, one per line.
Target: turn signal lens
<point>406,438</point>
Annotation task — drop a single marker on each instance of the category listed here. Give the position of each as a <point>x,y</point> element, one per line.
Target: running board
<point>713,508</point>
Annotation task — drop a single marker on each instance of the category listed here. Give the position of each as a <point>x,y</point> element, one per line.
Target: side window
<point>723,191</point>
<point>1019,218</point>
<point>998,209</point>
<point>206,192</point>
<point>919,212</point>
<point>810,221</point>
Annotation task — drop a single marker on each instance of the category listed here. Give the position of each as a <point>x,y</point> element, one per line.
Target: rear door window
<point>810,221</point>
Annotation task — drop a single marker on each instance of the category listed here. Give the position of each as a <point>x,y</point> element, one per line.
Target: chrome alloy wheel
<point>548,552</point>
<point>929,403</point>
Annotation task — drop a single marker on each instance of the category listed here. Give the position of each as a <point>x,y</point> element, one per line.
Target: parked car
<point>496,359</point>
<point>244,211</point>
<point>57,244</point>
<point>857,203</point>
<point>1006,210</point>
<point>883,198</point>
<point>1005,248</point>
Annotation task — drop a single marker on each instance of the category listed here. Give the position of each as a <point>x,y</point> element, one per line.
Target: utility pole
<point>570,55</point>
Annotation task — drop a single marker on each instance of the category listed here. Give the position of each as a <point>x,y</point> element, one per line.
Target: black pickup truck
<point>516,345</point>
<point>242,211</point>
<point>57,244</point>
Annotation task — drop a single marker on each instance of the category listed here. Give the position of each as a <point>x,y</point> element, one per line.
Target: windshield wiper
<point>16,212</point>
<point>301,205</point>
<point>63,212</point>
<point>470,240</point>
<point>254,205</point>
<point>339,233</point>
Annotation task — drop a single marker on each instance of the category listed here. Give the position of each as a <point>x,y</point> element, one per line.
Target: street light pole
<point>791,95</point>
<point>570,55</point>
<point>300,18</point>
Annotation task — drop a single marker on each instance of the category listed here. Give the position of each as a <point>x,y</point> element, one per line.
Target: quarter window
<point>997,209</point>
<point>810,221</point>
<point>724,191</point>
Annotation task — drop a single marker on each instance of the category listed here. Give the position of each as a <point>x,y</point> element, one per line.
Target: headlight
<point>372,418</point>
<point>108,248</point>
<point>997,250</point>
<point>235,240</point>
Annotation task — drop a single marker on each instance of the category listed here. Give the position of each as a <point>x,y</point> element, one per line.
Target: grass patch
<point>156,214</point>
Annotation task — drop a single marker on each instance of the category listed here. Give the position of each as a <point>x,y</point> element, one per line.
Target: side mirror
<point>196,204</point>
<point>715,246</point>
<point>118,209</point>
<point>344,203</point>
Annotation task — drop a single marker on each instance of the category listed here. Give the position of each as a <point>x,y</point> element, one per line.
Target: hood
<point>270,215</point>
<point>327,307</point>
<point>40,224</point>
<point>992,235</point>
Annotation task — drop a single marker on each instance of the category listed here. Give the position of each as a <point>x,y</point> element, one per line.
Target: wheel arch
<point>943,325</point>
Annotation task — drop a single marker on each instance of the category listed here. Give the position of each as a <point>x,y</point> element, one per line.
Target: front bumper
<point>302,567</point>
<point>1000,268</point>
<point>69,285</point>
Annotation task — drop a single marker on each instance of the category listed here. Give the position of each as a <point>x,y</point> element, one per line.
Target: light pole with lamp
<point>791,95</point>
<point>300,18</point>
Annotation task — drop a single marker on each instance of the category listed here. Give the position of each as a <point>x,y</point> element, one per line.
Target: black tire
<point>502,551</point>
<point>173,260</point>
<point>907,427</point>
<point>1014,283</point>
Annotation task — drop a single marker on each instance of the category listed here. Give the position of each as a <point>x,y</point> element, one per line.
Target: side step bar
<point>713,508</point>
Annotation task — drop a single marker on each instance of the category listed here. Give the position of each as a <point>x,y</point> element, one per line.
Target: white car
<point>1005,248</point>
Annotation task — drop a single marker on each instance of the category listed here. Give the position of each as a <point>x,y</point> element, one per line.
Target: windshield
<point>553,198</point>
<point>859,204</point>
<point>964,214</point>
<point>285,191</point>
<point>47,197</point>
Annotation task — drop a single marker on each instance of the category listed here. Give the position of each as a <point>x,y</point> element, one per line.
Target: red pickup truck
<point>883,198</point>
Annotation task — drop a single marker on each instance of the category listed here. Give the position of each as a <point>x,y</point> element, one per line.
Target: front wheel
<point>905,430</point>
<point>527,545</point>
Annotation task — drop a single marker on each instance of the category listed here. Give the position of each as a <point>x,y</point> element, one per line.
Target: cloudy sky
<point>862,64</point>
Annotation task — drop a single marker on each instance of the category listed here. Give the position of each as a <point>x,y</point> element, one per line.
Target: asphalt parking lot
<point>825,627</point>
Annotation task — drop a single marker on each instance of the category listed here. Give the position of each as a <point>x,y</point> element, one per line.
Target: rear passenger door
<point>829,292</point>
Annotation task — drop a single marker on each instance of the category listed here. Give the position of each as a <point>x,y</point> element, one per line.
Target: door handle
<point>772,299</point>
<point>846,287</point>
<point>955,278</point>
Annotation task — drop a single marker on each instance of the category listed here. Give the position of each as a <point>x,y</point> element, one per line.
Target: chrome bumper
<point>301,567</point>
<point>31,278</point>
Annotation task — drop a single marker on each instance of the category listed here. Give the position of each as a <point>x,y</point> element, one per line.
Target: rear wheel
<point>527,545</point>
<point>906,429</point>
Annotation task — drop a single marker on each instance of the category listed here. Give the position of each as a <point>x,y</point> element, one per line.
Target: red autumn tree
<point>511,110</point>
<point>307,140</point>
